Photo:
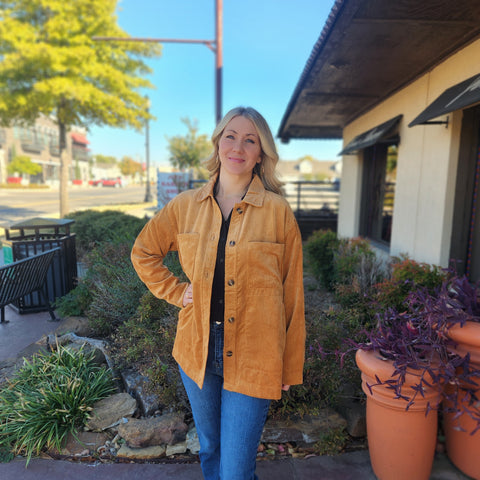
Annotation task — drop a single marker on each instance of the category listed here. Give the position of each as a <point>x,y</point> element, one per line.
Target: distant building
<point>306,169</point>
<point>40,142</point>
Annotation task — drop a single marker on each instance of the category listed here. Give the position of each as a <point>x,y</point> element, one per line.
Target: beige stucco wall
<point>426,168</point>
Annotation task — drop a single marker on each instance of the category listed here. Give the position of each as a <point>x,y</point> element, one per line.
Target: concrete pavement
<point>348,466</point>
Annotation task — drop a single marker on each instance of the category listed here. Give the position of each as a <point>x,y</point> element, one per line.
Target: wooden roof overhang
<point>368,50</point>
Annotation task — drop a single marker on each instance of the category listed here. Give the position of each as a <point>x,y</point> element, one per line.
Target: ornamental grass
<point>49,397</point>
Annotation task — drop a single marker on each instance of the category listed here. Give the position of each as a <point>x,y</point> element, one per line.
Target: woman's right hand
<point>188,295</point>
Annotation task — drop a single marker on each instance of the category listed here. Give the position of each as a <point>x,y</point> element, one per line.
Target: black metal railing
<point>314,203</point>
<point>32,146</point>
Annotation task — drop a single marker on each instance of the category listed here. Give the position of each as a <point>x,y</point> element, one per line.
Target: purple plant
<point>416,341</point>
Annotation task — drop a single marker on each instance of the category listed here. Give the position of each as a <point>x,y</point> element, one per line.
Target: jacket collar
<point>254,196</point>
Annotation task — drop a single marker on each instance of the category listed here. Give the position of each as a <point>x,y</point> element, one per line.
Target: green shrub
<point>327,377</point>
<point>113,285</point>
<point>332,441</point>
<point>49,397</point>
<point>76,302</point>
<point>356,270</point>
<point>348,258</point>
<point>319,251</point>
<point>145,342</point>
<point>406,276</point>
<point>110,292</point>
<point>92,228</point>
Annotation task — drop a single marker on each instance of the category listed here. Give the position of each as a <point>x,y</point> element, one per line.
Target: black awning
<point>380,134</point>
<point>459,96</point>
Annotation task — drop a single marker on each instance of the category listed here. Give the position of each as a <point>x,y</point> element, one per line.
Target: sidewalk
<point>19,335</point>
<point>348,466</point>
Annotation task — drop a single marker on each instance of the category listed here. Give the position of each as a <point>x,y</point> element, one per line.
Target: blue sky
<point>266,44</point>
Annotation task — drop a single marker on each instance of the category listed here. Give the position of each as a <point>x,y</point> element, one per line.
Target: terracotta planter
<point>401,443</point>
<point>462,448</point>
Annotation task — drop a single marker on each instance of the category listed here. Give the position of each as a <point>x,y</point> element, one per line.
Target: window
<point>378,192</point>
<point>465,240</point>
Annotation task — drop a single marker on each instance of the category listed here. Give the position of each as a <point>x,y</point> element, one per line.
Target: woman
<point>241,329</point>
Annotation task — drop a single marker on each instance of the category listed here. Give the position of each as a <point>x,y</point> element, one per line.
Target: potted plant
<point>426,364</point>
<point>457,306</point>
<point>402,378</point>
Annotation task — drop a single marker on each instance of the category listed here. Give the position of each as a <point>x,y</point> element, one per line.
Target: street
<point>19,205</point>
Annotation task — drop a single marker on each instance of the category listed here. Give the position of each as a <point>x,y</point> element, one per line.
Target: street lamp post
<point>148,195</point>
<point>216,46</point>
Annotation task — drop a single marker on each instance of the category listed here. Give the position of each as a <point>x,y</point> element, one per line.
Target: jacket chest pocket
<point>187,252</point>
<point>265,261</point>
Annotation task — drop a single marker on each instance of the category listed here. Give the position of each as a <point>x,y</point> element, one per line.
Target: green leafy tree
<point>128,166</point>
<point>24,166</point>
<point>392,155</point>
<point>105,159</point>
<point>188,151</point>
<point>51,64</point>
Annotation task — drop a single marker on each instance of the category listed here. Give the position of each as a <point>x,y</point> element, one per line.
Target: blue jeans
<point>229,425</point>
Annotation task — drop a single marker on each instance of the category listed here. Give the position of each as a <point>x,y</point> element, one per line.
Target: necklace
<point>232,196</point>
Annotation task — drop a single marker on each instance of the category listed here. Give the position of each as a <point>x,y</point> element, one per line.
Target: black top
<point>217,305</point>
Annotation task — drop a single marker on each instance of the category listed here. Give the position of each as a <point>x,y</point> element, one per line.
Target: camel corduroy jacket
<point>264,302</point>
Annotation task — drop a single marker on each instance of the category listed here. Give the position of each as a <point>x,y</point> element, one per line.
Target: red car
<point>108,182</point>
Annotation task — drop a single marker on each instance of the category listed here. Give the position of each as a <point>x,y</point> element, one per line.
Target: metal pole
<point>218,59</point>
<point>148,195</point>
<point>215,46</point>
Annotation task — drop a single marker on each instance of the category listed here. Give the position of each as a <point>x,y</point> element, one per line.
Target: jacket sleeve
<point>158,237</point>
<point>294,355</point>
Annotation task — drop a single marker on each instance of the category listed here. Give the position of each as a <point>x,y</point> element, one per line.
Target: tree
<point>190,150</point>
<point>51,65</point>
<point>23,165</point>
<point>105,159</point>
<point>128,166</point>
<point>392,156</point>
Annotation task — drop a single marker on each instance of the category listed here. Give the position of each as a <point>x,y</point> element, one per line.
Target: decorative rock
<point>88,349</point>
<point>137,385</point>
<point>10,366</point>
<point>313,427</point>
<point>355,415</point>
<point>31,350</point>
<point>110,411</point>
<point>168,428</point>
<point>77,325</point>
<point>89,441</point>
<point>176,449</point>
<point>193,444</point>
<point>281,431</point>
<point>308,429</point>
<point>147,453</point>
<point>73,338</point>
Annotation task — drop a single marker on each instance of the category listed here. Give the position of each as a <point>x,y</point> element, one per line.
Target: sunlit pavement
<point>348,466</point>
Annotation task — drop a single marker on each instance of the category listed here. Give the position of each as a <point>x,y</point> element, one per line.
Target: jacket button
<point>229,353</point>
<point>239,210</point>
<point>231,319</point>
<point>232,243</point>
<point>231,282</point>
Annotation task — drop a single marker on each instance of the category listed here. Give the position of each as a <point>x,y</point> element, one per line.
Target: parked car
<point>108,182</point>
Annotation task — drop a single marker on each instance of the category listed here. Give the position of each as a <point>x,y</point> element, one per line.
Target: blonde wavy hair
<point>269,156</point>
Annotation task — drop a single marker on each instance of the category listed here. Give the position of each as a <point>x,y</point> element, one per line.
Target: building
<point>399,82</point>
<point>306,169</point>
<point>40,142</point>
